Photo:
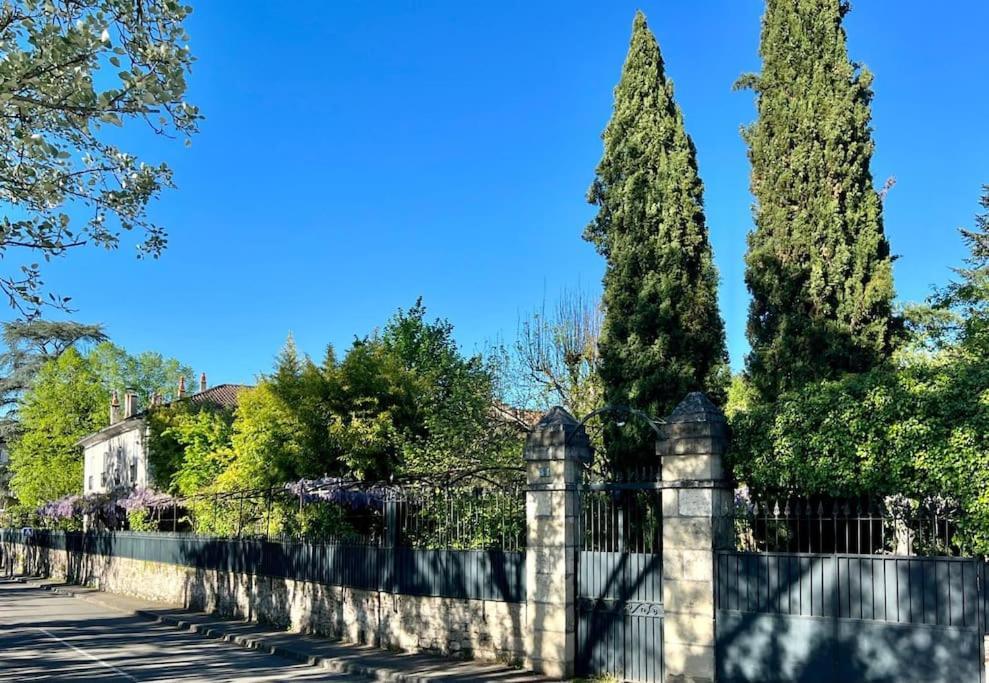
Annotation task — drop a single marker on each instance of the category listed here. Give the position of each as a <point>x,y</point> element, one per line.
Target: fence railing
<point>472,514</point>
<point>870,526</point>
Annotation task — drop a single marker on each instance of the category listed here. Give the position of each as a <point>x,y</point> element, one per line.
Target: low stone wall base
<point>481,629</point>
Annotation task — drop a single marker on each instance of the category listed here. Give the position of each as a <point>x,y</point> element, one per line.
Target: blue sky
<point>358,155</point>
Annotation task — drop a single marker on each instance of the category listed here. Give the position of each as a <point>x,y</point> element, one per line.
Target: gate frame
<point>622,603</point>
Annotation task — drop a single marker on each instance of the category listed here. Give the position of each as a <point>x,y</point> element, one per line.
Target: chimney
<point>202,382</point>
<point>114,408</point>
<point>181,387</point>
<point>130,403</point>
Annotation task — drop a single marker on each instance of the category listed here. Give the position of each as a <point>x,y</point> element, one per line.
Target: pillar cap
<point>696,407</point>
<point>559,429</point>
<point>697,426</point>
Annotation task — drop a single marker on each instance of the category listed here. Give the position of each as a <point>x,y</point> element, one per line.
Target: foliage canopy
<point>662,335</point>
<point>70,70</point>
<point>916,426</point>
<point>67,402</point>
<point>30,344</point>
<point>818,263</point>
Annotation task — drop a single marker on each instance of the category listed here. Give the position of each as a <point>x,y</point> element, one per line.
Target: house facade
<point>117,456</point>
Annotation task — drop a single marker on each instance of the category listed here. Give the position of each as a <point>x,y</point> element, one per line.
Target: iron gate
<point>620,582</point>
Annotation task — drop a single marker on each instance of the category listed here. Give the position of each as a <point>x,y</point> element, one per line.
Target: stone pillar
<point>553,453</point>
<point>696,499</point>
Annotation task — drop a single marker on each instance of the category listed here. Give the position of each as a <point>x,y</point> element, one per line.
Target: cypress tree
<point>818,263</point>
<point>662,334</point>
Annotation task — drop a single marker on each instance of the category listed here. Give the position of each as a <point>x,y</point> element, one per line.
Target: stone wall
<point>482,629</point>
<point>985,653</point>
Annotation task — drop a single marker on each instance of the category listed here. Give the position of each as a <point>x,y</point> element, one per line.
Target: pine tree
<point>818,264</point>
<point>662,334</point>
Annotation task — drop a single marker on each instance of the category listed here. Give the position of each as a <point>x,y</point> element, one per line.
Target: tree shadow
<point>785,617</point>
<point>398,598</point>
<point>613,639</point>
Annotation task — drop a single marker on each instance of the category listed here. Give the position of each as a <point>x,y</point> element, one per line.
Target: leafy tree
<point>67,401</point>
<point>404,401</point>
<point>741,396</point>
<point>264,440</point>
<point>921,430</point>
<point>70,69</point>
<point>204,436</point>
<point>146,373</point>
<point>556,356</point>
<point>30,344</point>
<point>662,334</point>
<point>916,426</point>
<point>188,446</point>
<point>818,263</point>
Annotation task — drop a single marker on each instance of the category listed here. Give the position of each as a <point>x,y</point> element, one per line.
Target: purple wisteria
<point>63,508</point>
<point>104,504</point>
<point>145,499</point>
<point>344,492</point>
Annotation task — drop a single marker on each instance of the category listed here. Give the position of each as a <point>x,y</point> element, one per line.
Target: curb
<point>263,645</point>
<point>256,643</point>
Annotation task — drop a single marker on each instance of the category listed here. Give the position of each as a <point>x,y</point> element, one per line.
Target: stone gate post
<point>554,451</point>
<point>696,503</point>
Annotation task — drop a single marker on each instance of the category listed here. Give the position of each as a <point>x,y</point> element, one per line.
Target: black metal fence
<point>461,518</point>
<point>471,514</point>
<point>866,525</point>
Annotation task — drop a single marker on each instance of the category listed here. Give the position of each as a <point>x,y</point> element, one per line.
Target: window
<point>133,471</point>
<point>90,486</point>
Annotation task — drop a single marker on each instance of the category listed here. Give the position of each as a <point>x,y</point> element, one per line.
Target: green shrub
<point>141,520</point>
<point>920,429</point>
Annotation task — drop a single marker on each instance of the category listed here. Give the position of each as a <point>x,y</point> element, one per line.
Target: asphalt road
<point>50,637</point>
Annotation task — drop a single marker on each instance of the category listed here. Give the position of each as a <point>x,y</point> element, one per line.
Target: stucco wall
<point>113,456</point>
<point>483,629</point>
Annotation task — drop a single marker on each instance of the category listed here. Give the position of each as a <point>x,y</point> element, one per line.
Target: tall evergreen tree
<point>968,297</point>
<point>662,334</point>
<point>818,265</point>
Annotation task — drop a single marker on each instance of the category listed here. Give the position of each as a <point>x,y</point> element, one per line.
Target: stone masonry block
<point>697,445</point>
<point>540,471</point>
<point>672,563</point>
<point>698,565</point>
<point>553,532</point>
<point>671,506</point>
<point>694,533</point>
<point>548,503</point>
<point>558,667</point>
<point>688,629</point>
<point>696,503</point>
<point>694,597</point>
<point>689,662</point>
<point>680,467</point>
<point>554,588</point>
<point>549,618</point>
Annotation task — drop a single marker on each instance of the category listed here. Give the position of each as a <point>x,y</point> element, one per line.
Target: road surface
<point>50,637</point>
